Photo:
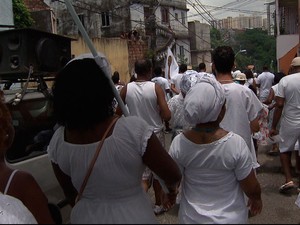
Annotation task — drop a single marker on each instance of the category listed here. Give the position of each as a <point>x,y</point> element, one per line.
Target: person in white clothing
<point>216,164</point>
<point>113,193</point>
<point>164,84</point>
<point>242,105</point>
<point>270,101</point>
<point>175,104</point>
<point>13,211</point>
<point>175,80</point>
<point>264,82</point>
<point>146,99</point>
<point>287,110</point>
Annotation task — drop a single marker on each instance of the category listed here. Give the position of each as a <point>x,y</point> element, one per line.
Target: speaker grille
<point>20,49</point>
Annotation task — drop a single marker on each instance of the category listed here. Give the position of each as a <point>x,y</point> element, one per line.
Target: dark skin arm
<point>277,114</point>
<point>162,164</point>
<point>252,189</point>
<point>165,112</point>
<point>66,184</point>
<point>173,88</point>
<point>32,196</point>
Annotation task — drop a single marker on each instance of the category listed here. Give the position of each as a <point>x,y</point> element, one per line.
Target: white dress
<point>13,211</point>
<point>211,173</point>
<point>114,193</point>
<point>289,89</point>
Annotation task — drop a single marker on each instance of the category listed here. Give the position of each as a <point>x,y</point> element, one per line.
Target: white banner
<point>173,68</point>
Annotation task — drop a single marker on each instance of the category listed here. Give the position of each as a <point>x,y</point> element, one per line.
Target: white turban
<point>100,59</point>
<point>188,80</point>
<point>204,101</point>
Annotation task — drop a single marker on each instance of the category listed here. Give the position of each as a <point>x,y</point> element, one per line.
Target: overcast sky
<point>220,9</point>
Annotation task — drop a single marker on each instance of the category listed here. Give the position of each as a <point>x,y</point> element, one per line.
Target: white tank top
<point>141,100</point>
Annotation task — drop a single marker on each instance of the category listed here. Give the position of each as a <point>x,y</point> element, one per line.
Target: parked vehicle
<point>31,111</point>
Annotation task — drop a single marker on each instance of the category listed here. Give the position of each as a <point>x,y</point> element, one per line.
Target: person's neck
<point>224,78</point>
<point>142,79</point>
<point>206,127</point>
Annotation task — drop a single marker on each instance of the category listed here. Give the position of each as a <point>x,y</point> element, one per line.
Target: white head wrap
<point>188,80</point>
<point>100,59</point>
<point>204,101</point>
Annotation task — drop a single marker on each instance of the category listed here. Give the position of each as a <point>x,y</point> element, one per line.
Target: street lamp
<point>240,51</point>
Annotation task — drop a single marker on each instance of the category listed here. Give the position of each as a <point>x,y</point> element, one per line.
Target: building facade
<point>287,32</point>
<point>6,15</point>
<point>162,23</point>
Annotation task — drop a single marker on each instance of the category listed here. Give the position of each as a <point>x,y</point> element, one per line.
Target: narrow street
<point>277,208</point>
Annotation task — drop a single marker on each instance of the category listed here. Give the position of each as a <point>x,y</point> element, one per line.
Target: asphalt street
<point>277,208</point>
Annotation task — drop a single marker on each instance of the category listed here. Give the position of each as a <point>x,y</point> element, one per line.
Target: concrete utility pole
<point>152,26</point>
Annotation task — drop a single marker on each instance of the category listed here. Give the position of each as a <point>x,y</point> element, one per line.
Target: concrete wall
<point>115,49</point>
<point>121,53</point>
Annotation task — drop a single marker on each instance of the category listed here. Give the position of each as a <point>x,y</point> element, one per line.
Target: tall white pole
<point>102,63</point>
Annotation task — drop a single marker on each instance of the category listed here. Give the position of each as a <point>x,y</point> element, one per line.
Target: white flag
<point>173,67</point>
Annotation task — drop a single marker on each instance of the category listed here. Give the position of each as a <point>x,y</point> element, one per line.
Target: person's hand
<point>255,206</point>
<point>273,132</point>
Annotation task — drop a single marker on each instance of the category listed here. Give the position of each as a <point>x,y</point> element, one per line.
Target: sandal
<point>273,152</point>
<point>286,187</point>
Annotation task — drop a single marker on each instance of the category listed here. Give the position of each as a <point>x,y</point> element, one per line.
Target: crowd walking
<point>106,162</point>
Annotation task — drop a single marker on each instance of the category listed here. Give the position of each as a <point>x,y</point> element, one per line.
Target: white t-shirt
<point>163,83</point>
<point>242,106</point>
<point>176,80</point>
<point>265,79</point>
<point>289,88</point>
<point>211,173</point>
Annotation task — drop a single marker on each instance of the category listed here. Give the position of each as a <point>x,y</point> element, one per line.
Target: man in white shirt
<point>163,82</point>
<point>242,105</point>
<point>287,109</point>
<point>175,80</point>
<point>264,82</point>
<point>146,100</point>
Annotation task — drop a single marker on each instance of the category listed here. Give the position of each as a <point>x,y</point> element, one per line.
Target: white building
<point>6,15</point>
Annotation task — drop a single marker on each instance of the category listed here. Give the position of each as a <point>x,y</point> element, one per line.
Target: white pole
<point>100,61</point>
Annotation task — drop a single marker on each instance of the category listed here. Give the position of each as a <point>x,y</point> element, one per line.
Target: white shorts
<point>291,138</point>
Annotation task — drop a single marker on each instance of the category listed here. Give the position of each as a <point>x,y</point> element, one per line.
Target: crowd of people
<point>106,162</point>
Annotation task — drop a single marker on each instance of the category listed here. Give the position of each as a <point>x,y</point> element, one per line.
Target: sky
<point>220,9</point>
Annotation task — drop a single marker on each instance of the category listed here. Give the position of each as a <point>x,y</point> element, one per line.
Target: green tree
<point>261,49</point>
<point>218,37</point>
<point>22,17</point>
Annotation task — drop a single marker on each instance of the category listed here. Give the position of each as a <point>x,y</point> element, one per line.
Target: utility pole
<point>152,25</point>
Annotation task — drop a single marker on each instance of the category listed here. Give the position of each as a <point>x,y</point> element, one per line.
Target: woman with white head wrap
<point>216,164</point>
<point>205,109</point>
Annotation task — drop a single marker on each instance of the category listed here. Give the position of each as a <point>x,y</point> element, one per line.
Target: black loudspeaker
<point>22,49</point>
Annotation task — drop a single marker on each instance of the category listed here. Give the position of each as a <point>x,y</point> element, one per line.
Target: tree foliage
<point>216,38</point>
<point>260,47</point>
<point>22,17</point>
